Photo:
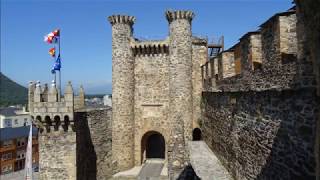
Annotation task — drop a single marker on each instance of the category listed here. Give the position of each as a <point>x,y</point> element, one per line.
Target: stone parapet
<point>263,135</point>
<point>150,48</point>
<point>174,15</point>
<point>121,19</point>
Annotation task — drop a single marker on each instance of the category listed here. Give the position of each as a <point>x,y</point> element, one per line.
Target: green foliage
<point>11,93</point>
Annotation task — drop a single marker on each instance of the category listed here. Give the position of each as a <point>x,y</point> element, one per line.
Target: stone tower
<point>122,91</point>
<point>180,82</point>
<point>153,108</point>
<point>54,118</point>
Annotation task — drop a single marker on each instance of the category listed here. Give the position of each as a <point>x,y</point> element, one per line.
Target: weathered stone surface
<point>151,76</point>
<point>94,141</point>
<point>309,49</point>
<point>57,155</point>
<point>263,135</point>
<point>122,92</point>
<point>180,88</point>
<point>205,164</point>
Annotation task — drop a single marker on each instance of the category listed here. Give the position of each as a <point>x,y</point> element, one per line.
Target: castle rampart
<point>262,122</point>
<point>57,139</point>
<point>266,60</point>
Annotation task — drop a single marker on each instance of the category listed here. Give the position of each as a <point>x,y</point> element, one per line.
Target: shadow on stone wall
<point>86,155</point>
<point>292,152</point>
<point>263,135</point>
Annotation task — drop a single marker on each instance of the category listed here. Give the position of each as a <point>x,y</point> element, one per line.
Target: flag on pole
<point>28,161</point>
<point>57,65</point>
<point>48,38</point>
<point>52,37</point>
<point>52,52</point>
<point>56,32</point>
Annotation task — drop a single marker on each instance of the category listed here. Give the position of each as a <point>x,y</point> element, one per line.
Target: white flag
<point>28,163</point>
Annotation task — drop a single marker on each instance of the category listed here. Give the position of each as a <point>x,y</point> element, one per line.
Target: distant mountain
<point>11,93</point>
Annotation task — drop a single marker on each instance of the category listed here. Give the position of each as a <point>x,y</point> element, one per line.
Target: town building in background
<point>13,144</point>
<point>12,117</point>
<point>107,100</point>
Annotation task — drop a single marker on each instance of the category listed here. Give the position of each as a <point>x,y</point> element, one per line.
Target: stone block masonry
<point>309,49</point>
<point>94,141</point>
<point>264,122</point>
<point>122,92</point>
<point>156,92</point>
<point>263,135</point>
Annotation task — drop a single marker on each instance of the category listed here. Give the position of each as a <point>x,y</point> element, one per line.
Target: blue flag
<point>57,65</point>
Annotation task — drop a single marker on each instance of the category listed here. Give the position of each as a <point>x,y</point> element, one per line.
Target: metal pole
<point>60,64</point>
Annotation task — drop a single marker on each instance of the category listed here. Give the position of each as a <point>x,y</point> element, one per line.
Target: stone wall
<point>151,104</point>
<point>226,66</point>
<point>122,92</point>
<point>279,40</point>
<point>180,91</point>
<point>309,48</point>
<point>265,123</point>
<point>263,135</point>
<point>57,155</point>
<point>237,58</point>
<point>199,56</point>
<point>94,142</point>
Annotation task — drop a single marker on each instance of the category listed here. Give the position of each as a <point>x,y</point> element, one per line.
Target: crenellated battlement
<point>49,110</point>
<point>121,19</point>
<point>174,15</point>
<point>150,48</point>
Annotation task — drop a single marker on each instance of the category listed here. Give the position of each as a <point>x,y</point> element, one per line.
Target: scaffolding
<point>215,47</point>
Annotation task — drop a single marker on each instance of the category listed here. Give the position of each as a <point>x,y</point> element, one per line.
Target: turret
<point>180,84</point>
<point>81,97</point>
<point>31,90</point>
<point>44,94</point>
<point>122,91</point>
<point>53,93</point>
<point>37,92</point>
<point>68,95</point>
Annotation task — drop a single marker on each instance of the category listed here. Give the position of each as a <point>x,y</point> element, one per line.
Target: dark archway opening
<point>66,123</point>
<point>48,123</point>
<point>153,145</point>
<point>196,134</point>
<point>57,123</point>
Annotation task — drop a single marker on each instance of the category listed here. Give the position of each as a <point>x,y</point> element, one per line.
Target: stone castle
<point>255,105</point>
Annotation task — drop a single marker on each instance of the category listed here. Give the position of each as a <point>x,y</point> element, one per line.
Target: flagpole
<point>60,66</point>
<point>55,74</point>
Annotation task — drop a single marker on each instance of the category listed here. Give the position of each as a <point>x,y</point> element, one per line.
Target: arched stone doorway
<point>152,146</point>
<point>196,134</point>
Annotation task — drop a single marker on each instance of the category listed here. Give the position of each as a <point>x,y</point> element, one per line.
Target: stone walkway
<point>206,165</point>
<point>151,169</point>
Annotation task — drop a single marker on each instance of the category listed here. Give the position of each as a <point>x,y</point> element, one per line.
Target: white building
<point>107,100</point>
<point>14,117</point>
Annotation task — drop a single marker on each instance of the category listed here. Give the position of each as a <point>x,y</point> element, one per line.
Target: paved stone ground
<point>206,165</point>
<point>151,169</point>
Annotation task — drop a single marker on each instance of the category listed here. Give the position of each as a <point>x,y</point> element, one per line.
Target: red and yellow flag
<point>52,52</point>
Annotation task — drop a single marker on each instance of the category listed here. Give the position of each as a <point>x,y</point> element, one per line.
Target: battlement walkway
<point>205,164</point>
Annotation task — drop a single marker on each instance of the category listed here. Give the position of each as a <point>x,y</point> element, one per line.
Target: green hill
<point>11,93</point>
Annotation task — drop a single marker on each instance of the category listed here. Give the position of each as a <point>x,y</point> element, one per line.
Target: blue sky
<point>86,33</point>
